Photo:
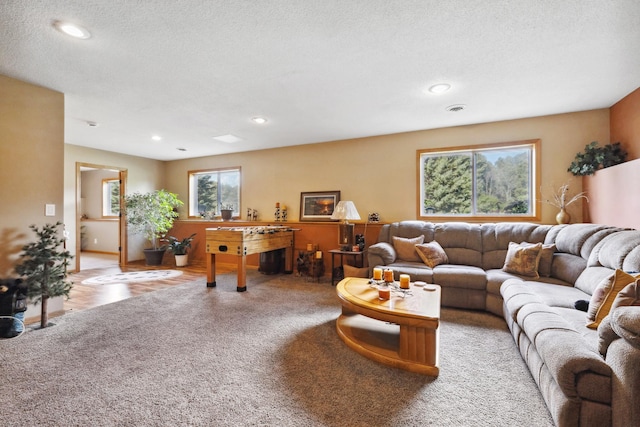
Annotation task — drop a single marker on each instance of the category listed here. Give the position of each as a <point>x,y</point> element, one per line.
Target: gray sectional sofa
<point>588,377</point>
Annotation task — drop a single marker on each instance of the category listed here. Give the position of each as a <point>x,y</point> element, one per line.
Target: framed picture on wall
<point>318,205</point>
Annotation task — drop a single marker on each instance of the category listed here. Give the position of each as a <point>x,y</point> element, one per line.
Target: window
<point>490,181</point>
<point>211,191</point>
<point>110,197</point>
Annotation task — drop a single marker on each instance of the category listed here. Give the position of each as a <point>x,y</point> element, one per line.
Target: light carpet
<point>134,276</point>
<point>196,356</point>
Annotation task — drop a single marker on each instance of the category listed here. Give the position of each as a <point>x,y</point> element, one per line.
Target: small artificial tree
<point>152,214</point>
<point>44,268</point>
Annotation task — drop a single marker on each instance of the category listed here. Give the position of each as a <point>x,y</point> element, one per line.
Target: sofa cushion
<point>462,241</point>
<point>496,238</point>
<point>460,276</point>
<point>546,259</point>
<point>432,254</point>
<point>567,267</point>
<point>416,270</point>
<point>406,247</point>
<point>577,368</point>
<point>604,295</point>
<point>618,250</point>
<point>523,259</point>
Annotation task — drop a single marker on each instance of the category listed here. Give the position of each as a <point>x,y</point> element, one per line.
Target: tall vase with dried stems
<point>560,201</point>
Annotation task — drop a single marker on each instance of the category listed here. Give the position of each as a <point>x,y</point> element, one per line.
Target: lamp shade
<point>345,210</point>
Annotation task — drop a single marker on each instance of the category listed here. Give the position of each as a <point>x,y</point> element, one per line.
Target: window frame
<point>536,203</point>
<point>107,207</point>
<point>190,181</point>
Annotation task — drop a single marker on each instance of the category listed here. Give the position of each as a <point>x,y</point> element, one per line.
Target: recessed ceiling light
<point>440,88</point>
<point>259,120</point>
<point>156,138</point>
<point>227,138</point>
<point>72,30</point>
<point>456,108</point>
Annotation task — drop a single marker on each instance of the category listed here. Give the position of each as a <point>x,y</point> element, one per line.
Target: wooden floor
<point>87,296</point>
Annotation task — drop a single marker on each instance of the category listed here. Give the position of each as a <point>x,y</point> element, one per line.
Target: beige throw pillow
<point>523,259</point>
<point>406,248</point>
<point>604,296</point>
<point>432,254</point>
<point>546,258</point>
<point>629,295</point>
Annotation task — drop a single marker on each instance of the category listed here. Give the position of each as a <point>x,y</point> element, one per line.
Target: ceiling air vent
<point>456,108</point>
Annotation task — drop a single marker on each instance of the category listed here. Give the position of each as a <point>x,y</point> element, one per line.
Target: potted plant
<point>595,157</point>
<point>152,214</point>
<point>43,266</point>
<point>179,249</point>
<point>560,200</point>
<point>227,212</point>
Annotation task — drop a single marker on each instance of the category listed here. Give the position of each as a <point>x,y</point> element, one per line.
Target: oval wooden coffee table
<point>401,332</point>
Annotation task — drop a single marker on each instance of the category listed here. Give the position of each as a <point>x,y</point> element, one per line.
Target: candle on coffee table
<point>384,293</point>
<point>377,273</point>
<point>388,275</point>
<point>404,281</point>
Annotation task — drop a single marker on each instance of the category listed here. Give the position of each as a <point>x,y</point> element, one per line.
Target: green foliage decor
<point>152,214</point>
<point>178,246</point>
<point>43,264</point>
<point>596,157</point>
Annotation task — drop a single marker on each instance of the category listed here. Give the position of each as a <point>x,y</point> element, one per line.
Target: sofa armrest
<point>381,253</point>
<point>625,322</point>
<point>623,355</point>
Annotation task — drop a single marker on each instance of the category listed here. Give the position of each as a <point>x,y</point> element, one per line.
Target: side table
<point>358,257</point>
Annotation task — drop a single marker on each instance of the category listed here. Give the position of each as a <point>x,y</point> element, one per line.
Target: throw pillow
<point>546,258</point>
<point>406,248</point>
<point>629,295</point>
<point>604,295</point>
<point>523,259</point>
<point>432,254</point>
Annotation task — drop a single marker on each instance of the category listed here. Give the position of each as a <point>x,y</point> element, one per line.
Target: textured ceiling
<point>318,70</point>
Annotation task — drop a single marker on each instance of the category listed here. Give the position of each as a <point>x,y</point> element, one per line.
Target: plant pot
<point>182,260</point>
<point>154,256</point>
<point>226,214</point>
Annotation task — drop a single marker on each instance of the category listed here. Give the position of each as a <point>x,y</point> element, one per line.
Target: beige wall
<point>379,173</point>
<point>31,163</point>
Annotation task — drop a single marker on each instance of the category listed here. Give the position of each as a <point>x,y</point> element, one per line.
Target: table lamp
<point>346,211</point>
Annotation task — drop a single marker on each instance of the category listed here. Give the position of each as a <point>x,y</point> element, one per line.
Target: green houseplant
<point>179,247</point>
<point>43,265</point>
<point>152,214</point>
<point>596,157</point>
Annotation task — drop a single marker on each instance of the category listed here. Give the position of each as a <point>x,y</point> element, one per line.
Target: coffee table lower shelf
<point>380,341</point>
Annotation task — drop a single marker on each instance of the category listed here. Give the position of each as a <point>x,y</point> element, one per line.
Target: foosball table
<point>243,241</point>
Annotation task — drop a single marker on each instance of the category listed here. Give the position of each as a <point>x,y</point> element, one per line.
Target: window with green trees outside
<point>488,181</point>
<point>210,191</point>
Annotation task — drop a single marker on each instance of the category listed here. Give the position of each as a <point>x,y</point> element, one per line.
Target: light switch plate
<point>49,210</point>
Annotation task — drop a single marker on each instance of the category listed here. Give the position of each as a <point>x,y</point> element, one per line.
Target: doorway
<point>100,226</point>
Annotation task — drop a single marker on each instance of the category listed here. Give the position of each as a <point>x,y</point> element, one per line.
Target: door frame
<point>122,226</point>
